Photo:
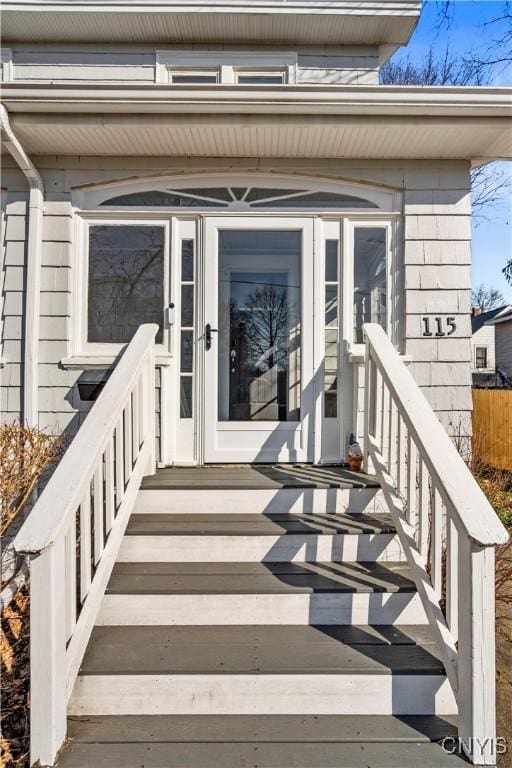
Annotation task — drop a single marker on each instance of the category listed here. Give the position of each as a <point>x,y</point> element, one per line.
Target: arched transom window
<point>236,193</point>
<point>239,198</point>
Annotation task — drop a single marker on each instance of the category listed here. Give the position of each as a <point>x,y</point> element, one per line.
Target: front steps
<point>252,538</point>
<point>276,640</point>
<point>261,593</point>
<point>263,741</point>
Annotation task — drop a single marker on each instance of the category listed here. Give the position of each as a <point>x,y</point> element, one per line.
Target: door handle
<point>169,312</point>
<point>208,330</point>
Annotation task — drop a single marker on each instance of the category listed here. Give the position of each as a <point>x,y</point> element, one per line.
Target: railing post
<point>151,412</point>
<point>47,654</point>
<point>477,689</point>
<point>367,399</point>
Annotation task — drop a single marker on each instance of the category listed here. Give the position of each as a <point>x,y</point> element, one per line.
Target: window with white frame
<point>194,77</point>
<point>123,264</point>
<point>264,77</point>
<point>123,282</point>
<point>225,68</point>
<point>370,267</point>
<point>481,357</point>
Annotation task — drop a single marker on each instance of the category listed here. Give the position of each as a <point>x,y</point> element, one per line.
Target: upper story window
<point>194,77</point>
<point>261,78</point>
<point>225,68</point>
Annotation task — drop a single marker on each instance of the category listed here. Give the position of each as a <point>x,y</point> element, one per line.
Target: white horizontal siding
<point>103,66</point>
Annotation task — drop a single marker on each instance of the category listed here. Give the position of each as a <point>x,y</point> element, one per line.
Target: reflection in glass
<point>331,326</point>
<point>318,200</point>
<point>187,306</point>
<point>187,351</point>
<point>187,328</point>
<point>187,261</point>
<point>185,397</point>
<point>370,281</point>
<point>262,79</point>
<point>259,324</point>
<point>126,281</point>
<point>194,79</point>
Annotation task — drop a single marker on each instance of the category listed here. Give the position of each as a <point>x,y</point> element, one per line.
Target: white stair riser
<point>315,694</point>
<point>157,610</point>
<point>294,500</point>
<point>256,549</point>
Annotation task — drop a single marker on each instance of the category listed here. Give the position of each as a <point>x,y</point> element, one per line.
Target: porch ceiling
<point>357,22</point>
<point>372,122</point>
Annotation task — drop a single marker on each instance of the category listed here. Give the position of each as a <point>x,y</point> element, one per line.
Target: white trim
<point>501,317</point>
<point>90,197</point>
<point>3,224</point>
<point>225,64</point>
<point>301,99</point>
<point>99,362</point>
<point>80,348</point>
<point>217,446</point>
<point>354,348</point>
<point>7,65</point>
<point>343,7</point>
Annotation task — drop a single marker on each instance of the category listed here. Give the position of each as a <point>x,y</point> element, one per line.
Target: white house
<point>215,211</point>
<point>491,346</point>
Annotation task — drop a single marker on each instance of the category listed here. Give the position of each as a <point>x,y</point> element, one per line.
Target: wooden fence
<point>492,426</point>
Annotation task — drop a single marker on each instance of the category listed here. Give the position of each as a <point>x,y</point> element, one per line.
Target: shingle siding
<point>432,271</point>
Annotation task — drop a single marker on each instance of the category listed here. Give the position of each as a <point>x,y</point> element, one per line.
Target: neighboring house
<point>502,323</point>
<point>491,352</point>
<point>216,209</point>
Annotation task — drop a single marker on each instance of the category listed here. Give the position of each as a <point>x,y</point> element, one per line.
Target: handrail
<point>65,487</point>
<point>74,532</point>
<point>447,529</point>
<point>461,491</point>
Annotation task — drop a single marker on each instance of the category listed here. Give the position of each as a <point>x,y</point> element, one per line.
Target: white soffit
<point>385,122</point>
<point>359,22</point>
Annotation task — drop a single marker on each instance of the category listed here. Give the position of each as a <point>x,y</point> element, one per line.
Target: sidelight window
<point>370,269</point>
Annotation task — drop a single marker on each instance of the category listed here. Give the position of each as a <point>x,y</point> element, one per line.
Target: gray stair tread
<point>263,728</point>
<point>213,524</point>
<point>257,755</point>
<point>257,477</point>
<point>255,635</point>
<point>259,578</point>
<point>137,650</point>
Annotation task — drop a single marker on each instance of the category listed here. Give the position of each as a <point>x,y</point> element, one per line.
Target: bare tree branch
<point>486,298</point>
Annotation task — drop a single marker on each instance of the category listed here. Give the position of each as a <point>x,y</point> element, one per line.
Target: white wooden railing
<point>73,534</point>
<point>448,531</point>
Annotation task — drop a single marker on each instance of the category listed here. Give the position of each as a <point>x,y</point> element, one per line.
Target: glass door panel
<point>258,344</point>
<point>259,325</point>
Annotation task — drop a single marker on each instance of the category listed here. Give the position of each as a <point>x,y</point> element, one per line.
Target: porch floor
<point>258,477</point>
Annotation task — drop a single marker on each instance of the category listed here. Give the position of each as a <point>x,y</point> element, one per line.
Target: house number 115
<point>440,323</point>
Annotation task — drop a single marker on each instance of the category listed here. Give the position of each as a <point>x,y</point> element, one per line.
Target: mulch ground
<point>14,653</point>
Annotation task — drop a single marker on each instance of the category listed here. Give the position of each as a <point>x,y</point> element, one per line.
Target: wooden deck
<point>257,477</point>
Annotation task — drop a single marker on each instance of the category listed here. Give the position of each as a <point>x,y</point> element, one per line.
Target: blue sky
<point>492,238</point>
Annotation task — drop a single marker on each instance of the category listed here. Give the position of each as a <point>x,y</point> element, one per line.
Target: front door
<point>258,340</point>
